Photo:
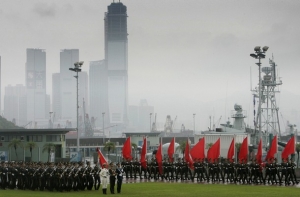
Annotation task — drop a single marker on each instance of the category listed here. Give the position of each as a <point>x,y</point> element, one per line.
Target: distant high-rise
<point>116,62</point>
<point>68,84</point>
<point>14,100</point>
<point>98,91</point>
<point>36,84</point>
<point>56,103</point>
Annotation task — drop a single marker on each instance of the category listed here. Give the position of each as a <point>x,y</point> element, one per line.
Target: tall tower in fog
<point>37,107</point>
<point>67,85</point>
<point>116,62</point>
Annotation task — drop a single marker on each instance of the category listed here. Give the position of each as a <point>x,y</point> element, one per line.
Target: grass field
<point>154,189</point>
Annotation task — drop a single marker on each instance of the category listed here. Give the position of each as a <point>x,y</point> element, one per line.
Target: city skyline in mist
<point>184,57</point>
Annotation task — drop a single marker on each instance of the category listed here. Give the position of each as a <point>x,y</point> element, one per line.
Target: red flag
<point>273,149</point>
<point>158,157</point>
<point>101,158</point>
<point>289,148</point>
<point>171,149</point>
<point>259,152</point>
<point>243,154</point>
<point>126,150</point>
<point>198,151</point>
<point>143,154</point>
<point>230,153</point>
<point>187,155</point>
<point>214,151</point>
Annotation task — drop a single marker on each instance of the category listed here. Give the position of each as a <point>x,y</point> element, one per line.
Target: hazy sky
<point>185,56</point>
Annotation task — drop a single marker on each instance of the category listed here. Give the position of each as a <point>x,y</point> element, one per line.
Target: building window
<point>2,138</point>
<point>34,138</point>
<point>53,138</point>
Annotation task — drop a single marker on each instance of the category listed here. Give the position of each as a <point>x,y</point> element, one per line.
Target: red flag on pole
<point>289,148</point>
<point>230,153</point>
<point>126,150</point>
<point>101,158</point>
<point>187,155</point>
<point>214,151</point>
<point>259,152</point>
<point>243,154</point>
<point>198,151</point>
<point>273,149</point>
<point>158,157</point>
<point>143,154</point>
<point>171,149</point>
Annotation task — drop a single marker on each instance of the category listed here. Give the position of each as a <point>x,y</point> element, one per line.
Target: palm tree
<point>15,143</point>
<point>30,145</point>
<point>134,148</point>
<point>48,147</point>
<point>297,150</point>
<point>181,147</point>
<point>109,146</point>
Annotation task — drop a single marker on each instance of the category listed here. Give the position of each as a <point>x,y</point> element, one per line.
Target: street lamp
<point>150,121</point>
<point>103,113</point>
<point>194,124</point>
<point>77,69</point>
<point>259,54</point>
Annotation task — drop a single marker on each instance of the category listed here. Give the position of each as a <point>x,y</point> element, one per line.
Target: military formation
<point>49,176</point>
<point>215,171</point>
<point>79,176</point>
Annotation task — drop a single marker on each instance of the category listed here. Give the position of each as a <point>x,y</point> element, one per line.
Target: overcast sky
<point>185,56</point>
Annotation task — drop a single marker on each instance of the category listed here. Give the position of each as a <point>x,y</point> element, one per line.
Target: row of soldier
<point>218,170</point>
<point>49,176</point>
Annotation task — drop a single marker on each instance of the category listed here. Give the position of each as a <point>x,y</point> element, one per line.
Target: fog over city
<point>185,57</point>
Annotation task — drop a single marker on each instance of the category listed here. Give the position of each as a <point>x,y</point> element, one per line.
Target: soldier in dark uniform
<point>231,170</point>
<point>119,173</point>
<point>197,169</point>
<point>96,172</point>
<point>238,167</point>
<point>89,177</point>
<point>144,170</point>
<point>3,175</point>
<point>177,168</point>
<point>128,166</point>
<point>123,163</point>
<point>165,165</point>
<point>268,175</point>
<point>293,172</point>
<point>112,177</point>
<point>211,174</point>
<point>226,170</point>
<point>172,168</point>
<point>284,166</point>
<point>136,168</point>
<point>276,172</point>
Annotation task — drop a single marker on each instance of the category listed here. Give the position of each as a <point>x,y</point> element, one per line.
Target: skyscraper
<point>14,109</point>
<point>36,84</point>
<point>68,84</point>
<point>98,90</point>
<point>116,45</point>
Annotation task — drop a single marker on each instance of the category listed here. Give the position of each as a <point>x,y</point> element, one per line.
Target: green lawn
<point>153,189</point>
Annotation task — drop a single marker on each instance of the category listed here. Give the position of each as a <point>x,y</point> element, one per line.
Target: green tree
<point>181,147</point>
<point>134,145</point>
<point>297,150</point>
<point>109,146</point>
<point>16,143</point>
<point>30,145</point>
<point>209,145</point>
<point>48,147</point>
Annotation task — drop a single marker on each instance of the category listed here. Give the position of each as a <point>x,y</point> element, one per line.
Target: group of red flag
<point>198,151</point>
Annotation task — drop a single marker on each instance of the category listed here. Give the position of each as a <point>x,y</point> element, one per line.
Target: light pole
<point>259,54</point>
<point>150,121</point>
<point>77,68</point>
<point>194,123</point>
<point>103,113</point>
